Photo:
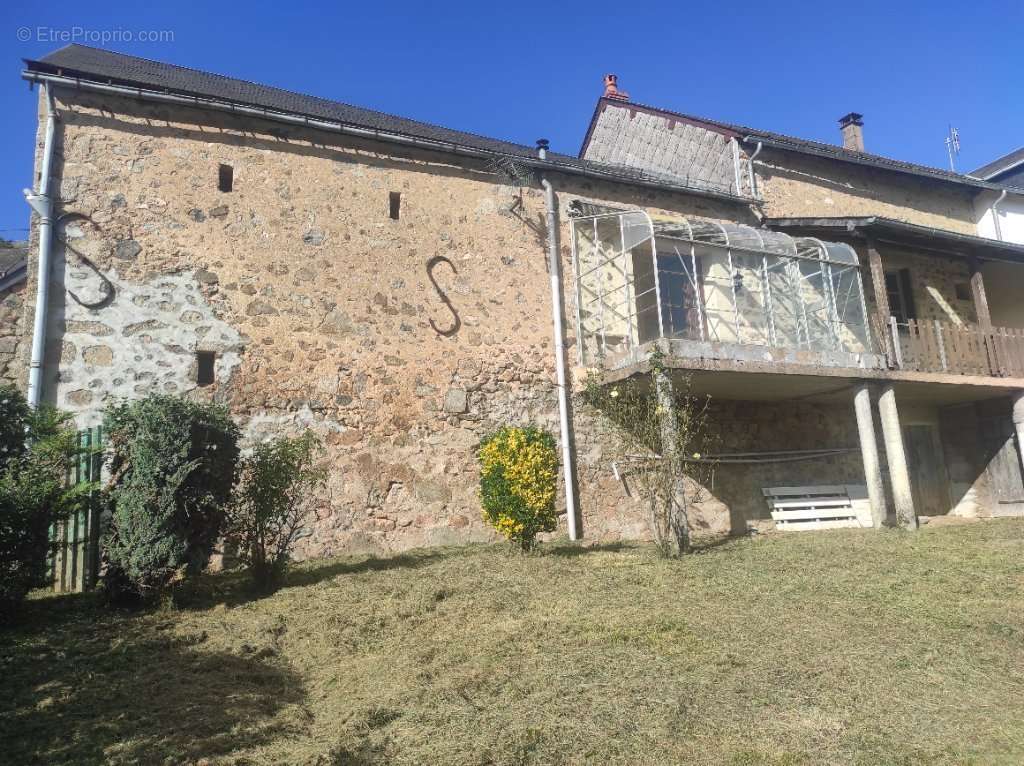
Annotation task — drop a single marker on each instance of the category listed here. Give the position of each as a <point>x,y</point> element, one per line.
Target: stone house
<point>387,283</point>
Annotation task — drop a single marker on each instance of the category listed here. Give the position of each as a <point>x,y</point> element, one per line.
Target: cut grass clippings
<point>838,647</point>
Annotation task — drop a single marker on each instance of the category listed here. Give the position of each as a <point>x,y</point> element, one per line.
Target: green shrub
<point>518,471</point>
<point>33,496</point>
<point>14,416</point>
<point>275,493</point>
<point>173,465</point>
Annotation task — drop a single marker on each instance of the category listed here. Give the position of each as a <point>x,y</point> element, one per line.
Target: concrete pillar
<point>1018,423</point>
<point>899,475</point>
<point>869,454</point>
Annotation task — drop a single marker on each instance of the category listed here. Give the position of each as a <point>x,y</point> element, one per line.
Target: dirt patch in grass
<point>836,647</point>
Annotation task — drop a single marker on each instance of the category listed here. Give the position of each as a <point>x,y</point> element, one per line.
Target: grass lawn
<point>815,648</point>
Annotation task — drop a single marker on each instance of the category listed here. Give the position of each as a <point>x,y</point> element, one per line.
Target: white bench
<point>820,507</point>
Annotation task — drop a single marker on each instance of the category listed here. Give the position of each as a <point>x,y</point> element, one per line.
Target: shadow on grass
<point>572,550</point>
<point>83,685</point>
<point>311,574</point>
<point>709,544</point>
<point>233,588</point>
<point>700,545</point>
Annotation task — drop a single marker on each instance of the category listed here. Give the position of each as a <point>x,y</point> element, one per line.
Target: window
<point>395,205</point>
<point>680,314</point>
<point>204,367</point>
<point>678,296</point>
<point>225,178</point>
<point>901,295</point>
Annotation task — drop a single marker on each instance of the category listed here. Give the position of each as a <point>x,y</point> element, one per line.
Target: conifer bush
<point>173,465</point>
<point>518,472</point>
<point>14,415</point>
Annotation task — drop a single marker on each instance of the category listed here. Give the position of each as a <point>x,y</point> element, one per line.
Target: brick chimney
<point>852,127</point>
<point>611,88</point>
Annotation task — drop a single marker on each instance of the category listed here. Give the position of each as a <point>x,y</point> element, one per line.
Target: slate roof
<point>13,259</point>
<point>11,254</point>
<point>120,69</point>
<point>790,143</point>
<point>98,65</point>
<point>1000,165</point>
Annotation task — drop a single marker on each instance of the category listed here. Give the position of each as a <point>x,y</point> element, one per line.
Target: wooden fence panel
<point>75,561</point>
<point>932,346</point>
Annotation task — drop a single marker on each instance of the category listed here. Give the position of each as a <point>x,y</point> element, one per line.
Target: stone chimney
<point>852,127</point>
<point>611,88</point>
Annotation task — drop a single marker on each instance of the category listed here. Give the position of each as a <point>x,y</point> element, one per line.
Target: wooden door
<point>928,480</point>
<point>1004,469</point>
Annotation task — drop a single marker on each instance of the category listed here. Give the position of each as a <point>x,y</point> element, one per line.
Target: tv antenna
<point>953,146</point>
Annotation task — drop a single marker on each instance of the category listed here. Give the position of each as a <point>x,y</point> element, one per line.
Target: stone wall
<point>401,341</point>
<point>732,500</point>
<point>940,285</point>
<point>797,185</point>
<point>13,341</point>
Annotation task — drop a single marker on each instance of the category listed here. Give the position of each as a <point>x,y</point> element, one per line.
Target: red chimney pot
<point>611,88</point>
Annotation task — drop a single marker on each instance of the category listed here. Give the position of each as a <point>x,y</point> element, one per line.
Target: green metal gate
<point>76,552</point>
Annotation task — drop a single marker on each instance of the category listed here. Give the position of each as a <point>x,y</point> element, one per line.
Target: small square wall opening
<point>205,367</point>
<point>225,178</point>
<point>395,205</point>
<point>963,291</point>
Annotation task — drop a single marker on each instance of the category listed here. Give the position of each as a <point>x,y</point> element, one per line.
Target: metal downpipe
<point>753,173</point>
<point>42,203</point>
<point>995,215</point>
<point>555,273</point>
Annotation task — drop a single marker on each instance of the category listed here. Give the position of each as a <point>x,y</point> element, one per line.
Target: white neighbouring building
<point>1001,216</point>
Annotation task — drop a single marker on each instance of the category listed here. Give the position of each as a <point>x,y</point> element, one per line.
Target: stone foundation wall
<point>733,498</point>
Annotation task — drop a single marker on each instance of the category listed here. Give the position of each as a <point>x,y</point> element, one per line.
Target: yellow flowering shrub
<point>518,473</point>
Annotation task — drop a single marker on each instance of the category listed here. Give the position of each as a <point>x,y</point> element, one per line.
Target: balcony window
<point>900,291</point>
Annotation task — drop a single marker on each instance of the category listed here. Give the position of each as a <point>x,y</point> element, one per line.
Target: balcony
<point>732,297</point>
<point>716,291</point>
<point>942,347</point>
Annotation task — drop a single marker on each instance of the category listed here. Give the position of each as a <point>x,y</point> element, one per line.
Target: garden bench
<point>818,507</point>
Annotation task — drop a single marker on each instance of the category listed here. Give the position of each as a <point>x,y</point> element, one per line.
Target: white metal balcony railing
<point>640,280</point>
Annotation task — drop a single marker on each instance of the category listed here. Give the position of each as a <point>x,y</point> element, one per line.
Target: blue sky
<point>524,70</point>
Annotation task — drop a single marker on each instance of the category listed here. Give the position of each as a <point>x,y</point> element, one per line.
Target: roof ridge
<point>1001,163</point>
<point>783,137</point>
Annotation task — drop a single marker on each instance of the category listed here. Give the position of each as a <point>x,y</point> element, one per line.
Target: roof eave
<point>950,242</point>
